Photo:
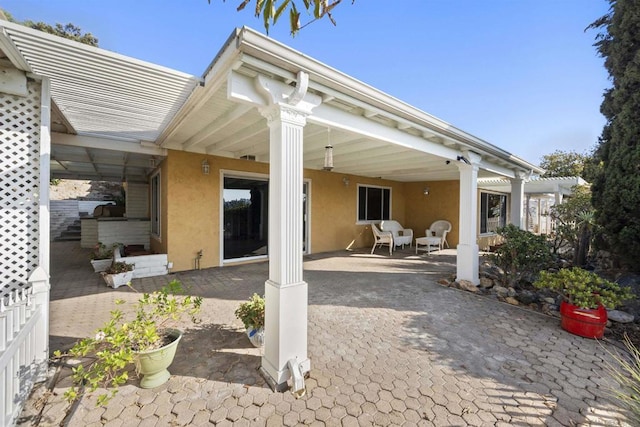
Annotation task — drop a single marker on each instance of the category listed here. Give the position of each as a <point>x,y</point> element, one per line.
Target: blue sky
<point>521,74</point>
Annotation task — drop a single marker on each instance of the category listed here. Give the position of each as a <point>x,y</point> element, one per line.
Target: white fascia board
<point>333,117</point>
<point>497,169</point>
<point>243,89</point>
<point>105,144</point>
<point>11,50</point>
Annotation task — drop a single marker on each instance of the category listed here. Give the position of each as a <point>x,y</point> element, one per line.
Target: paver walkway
<point>388,346</point>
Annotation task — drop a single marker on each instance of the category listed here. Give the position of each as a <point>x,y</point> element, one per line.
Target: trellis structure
<point>24,237</point>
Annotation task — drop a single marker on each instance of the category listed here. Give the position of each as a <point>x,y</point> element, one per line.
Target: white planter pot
<point>117,280</point>
<point>256,336</point>
<point>100,265</point>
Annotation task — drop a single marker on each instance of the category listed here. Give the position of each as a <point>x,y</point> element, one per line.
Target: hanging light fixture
<point>328,153</point>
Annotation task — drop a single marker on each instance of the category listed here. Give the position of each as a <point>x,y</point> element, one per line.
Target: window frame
<point>483,214</point>
<point>155,205</point>
<point>389,201</point>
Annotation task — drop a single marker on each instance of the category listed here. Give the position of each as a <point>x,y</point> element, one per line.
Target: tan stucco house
<point>268,153</point>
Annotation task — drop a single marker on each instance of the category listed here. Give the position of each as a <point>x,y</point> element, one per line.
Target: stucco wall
<point>190,222</point>
<point>441,203</point>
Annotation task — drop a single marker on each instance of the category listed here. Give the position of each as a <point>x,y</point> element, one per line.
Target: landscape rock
<point>620,316</point>
<point>511,292</point>
<point>501,291</point>
<point>511,301</point>
<point>549,300</point>
<point>466,285</point>
<point>527,297</point>
<point>486,282</point>
<point>444,282</point>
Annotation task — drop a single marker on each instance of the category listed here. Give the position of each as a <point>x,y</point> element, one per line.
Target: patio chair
<point>440,229</point>
<point>401,236</point>
<point>381,238</point>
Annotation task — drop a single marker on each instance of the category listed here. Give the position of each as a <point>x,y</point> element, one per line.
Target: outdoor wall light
<point>205,167</point>
<point>152,162</point>
<point>346,181</point>
<point>426,191</point>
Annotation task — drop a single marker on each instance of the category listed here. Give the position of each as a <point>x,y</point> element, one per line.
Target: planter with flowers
<point>251,313</point>
<point>145,340</point>
<point>585,298</point>
<point>118,274</point>
<point>101,257</point>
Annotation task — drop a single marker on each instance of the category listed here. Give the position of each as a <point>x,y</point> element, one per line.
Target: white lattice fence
<point>20,119</point>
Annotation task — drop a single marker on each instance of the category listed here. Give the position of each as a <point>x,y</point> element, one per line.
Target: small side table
<point>427,243</point>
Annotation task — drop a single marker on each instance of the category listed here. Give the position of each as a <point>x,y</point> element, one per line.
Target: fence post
<point>39,280</point>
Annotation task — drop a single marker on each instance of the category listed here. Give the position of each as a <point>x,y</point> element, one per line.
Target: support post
<point>467,259</point>
<point>517,200</point>
<point>286,297</point>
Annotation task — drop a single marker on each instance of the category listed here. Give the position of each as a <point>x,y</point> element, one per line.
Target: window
<point>155,205</point>
<point>493,212</point>
<point>374,203</point>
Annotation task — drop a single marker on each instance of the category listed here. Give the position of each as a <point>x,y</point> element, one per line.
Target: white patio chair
<point>440,229</point>
<point>401,236</point>
<point>381,238</point>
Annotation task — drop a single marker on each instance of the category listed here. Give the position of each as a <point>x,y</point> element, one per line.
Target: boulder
<point>486,282</point>
<point>619,316</point>
<point>511,292</point>
<point>501,291</point>
<point>527,297</point>
<point>511,301</point>
<point>466,285</point>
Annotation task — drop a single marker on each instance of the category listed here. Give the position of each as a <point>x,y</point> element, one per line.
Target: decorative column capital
<point>277,113</point>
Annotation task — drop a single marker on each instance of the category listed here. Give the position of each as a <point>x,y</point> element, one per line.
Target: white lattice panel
<point>19,187</point>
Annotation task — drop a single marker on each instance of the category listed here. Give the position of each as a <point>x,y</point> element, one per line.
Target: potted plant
<point>101,257</point>
<point>119,273</point>
<point>251,314</point>
<point>585,298</point>
<point>144,340</point>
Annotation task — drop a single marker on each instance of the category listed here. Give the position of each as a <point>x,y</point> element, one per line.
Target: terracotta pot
<point>584,322</point>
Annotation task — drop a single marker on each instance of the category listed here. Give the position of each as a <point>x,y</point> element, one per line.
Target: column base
<point>277,379</point>
<point>468,263</point>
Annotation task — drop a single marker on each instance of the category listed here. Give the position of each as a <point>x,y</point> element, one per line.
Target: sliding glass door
<point>245,217</point>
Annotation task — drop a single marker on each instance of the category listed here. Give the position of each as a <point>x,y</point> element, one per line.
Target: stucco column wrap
<point>467,261</point>
<point>285,291</point>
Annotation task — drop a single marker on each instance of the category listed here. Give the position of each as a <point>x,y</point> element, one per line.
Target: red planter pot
<point>588,323</point>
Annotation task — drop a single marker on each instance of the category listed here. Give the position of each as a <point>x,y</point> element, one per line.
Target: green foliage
<point>616,190</point>
<point>583,288</point>
<point>522,254</point>
<point>100,251</point>
<point>54,181</point>
<point>112,351</point>
<point>119,267</point>
<point>563,163</point>
<point>575,223</point>
<point>251,312</point>
<point>625,371</point>
<point>272,10</point>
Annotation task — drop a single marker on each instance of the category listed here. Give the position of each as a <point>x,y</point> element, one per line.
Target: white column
<point>467,260</point>
<point>517,200</point>
<point>285,291</point>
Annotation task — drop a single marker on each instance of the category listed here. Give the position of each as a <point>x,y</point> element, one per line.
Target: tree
<point>564,163</point>
<point>68,31</point>
<point>272,10</point>
<point>616,189</point>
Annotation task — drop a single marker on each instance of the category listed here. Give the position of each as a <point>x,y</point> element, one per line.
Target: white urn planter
<point>100,265</point>
<point>118,279</point>
<point>256,336</point>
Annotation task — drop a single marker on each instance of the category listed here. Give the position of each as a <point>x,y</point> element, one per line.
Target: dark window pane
<point>386,204</point>
<point>374,204</point>
<point>483,212</point>
<point>362,203</point>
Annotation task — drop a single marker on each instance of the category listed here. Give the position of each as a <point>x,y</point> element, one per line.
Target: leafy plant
<point>109,354</point>
<point>119,267</point>
<point>100,251</point>
<point>625,372</point>
<point>251,312</point>
<point>583,288</point>
<point>522,253</point>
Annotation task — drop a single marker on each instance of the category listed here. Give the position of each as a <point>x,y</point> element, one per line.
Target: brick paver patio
<point>388,346</point>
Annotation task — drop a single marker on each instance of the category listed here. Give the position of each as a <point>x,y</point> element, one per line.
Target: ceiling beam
<point>85,141</point>
<point>224,120</point>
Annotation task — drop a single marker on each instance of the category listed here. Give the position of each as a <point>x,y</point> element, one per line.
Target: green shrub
<point>251,312</point>
<point>583,288</point>
<point>625,372</point>
<point>522,254</point>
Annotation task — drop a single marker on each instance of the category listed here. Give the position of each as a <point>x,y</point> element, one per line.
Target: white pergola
<point>113,117</point>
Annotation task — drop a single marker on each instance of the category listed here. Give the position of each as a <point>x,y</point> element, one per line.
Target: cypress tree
<point>616,189</point>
